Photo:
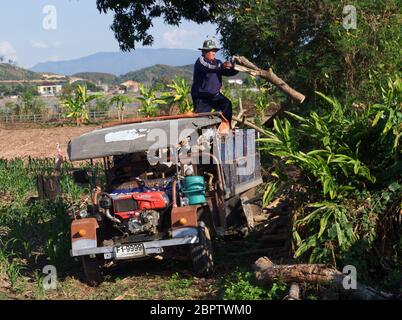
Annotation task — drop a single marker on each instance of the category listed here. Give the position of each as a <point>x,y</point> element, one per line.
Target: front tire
<point>92,271</point>
<point>201,253</point>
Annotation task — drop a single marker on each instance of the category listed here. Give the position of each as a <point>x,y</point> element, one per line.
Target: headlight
<point>105,202</point>
<point>84,214</point>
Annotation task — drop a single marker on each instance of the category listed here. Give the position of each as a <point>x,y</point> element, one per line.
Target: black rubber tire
<point>201,253</point>
<point>92,271</point>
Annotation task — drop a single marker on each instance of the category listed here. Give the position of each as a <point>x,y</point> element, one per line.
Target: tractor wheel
<point>92,271</point>
<point>201,253</point>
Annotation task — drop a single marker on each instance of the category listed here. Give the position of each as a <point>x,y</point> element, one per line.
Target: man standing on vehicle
<point>207,81</point>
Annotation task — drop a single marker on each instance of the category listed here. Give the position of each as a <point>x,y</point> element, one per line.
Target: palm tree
<point>149,102</point>
<point>77,104</point>
<point>120,101</point>
<point>180,96</point>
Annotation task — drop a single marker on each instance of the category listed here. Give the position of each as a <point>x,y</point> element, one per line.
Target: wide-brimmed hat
<point>209,45</point>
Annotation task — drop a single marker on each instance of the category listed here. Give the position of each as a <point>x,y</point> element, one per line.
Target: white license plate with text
<point>129,251</point>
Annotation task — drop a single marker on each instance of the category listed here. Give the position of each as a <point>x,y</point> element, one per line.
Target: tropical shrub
<point>149,102</point>
<point>350,157</point>
<point>102,104</point>
<point>180,95</point>
<point>120,101</point>
<point>77,106</point>
<point>28,104</point>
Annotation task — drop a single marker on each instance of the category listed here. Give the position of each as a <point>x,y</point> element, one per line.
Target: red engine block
<point>127,205</point>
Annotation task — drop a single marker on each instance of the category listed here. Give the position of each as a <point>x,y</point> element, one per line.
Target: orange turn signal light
<point>183,221</point>
<point>82,232</point>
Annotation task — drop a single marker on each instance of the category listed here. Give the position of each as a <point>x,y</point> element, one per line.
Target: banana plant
<point>77,104</point>
<point>180,96</point>
<point>120,101</point>
<point>149,102</point>
<point>261,104</point>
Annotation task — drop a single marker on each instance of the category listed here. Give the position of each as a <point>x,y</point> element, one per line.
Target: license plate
<point>129,251</point>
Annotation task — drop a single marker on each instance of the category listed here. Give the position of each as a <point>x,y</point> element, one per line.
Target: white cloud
<point>177,38</point>
<point>39,44</point>
<point>7,51</point>
<point>44,45</point>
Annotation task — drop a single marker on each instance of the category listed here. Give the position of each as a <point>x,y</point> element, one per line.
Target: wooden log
<point>294,292</point>
<point>240,115</point>
<point>261,218</point>
<point>49,187</point>
<point>242,64</point>
<point>249,124</point>
<point>266,272</point>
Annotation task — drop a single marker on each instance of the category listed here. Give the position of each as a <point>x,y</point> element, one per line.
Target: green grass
<point>176,287</point>
<point>241,285</point>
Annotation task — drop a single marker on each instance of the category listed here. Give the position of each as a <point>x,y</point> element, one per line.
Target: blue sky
<point>80,30</point>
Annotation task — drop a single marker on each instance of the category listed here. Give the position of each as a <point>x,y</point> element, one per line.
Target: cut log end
<point>266,272</point>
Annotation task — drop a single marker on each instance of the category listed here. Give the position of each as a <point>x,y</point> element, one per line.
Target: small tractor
<point>167,187</point>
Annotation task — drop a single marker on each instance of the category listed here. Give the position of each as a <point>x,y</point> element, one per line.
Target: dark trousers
<point>219,103</point>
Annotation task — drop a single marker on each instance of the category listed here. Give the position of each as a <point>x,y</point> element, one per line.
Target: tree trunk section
<point>294,292</point>
<point>244,65</point>
<point>267,272</point>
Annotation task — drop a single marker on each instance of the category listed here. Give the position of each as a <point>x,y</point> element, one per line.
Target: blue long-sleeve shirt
<point>207,78</point>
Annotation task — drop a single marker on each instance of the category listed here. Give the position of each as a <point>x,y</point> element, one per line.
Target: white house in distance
<point>235,82</point>
<point>49,88</point>
<point>129,86</point>
<point>53,76</point>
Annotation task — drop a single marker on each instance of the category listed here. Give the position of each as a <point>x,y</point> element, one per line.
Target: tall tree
<point>305,41</point>
<point>308,43</point>
<point>133,19</point>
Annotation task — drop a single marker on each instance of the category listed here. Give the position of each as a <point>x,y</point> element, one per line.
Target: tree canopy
<point>306,42</point>
<point>133,19</point>
<point>303,40</point>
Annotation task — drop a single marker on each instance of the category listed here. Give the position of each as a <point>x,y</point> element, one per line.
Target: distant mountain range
<point>159,72</point>
<point>11,72</point>
<point>97,77</point>
<point>148,66</point>
<point>119,63</point>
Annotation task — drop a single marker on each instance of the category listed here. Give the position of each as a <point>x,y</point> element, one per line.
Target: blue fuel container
<point>194,189</point>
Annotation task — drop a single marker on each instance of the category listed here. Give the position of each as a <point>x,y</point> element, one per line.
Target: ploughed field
<point>20,140</point>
